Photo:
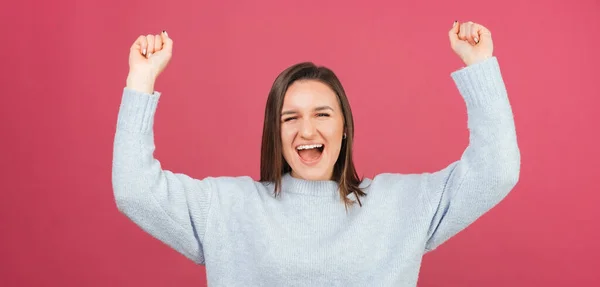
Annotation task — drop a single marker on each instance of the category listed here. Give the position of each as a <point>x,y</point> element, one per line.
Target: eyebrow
<point>317,109</point>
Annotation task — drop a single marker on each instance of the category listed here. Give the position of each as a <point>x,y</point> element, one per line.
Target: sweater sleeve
<point>490,165</point>
<point>169,206</point>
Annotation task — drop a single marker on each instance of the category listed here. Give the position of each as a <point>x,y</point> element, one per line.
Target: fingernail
<point>164,31</point>
<point>476,40</point>
<point>144,52</point>
<point>454,24</point>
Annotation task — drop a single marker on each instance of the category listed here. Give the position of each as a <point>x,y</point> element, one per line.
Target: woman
<point>309,220</point>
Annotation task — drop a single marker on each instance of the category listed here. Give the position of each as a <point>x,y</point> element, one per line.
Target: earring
<point>344,135</point>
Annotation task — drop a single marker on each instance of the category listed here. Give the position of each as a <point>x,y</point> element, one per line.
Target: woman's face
<point>312,127</point>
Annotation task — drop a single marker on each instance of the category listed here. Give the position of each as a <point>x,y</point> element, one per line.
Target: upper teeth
<point>309,146</point>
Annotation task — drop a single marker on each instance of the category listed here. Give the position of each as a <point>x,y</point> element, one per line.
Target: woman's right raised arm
<point>169,206</point>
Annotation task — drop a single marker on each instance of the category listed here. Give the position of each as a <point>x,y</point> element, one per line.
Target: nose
<point>307,130</point>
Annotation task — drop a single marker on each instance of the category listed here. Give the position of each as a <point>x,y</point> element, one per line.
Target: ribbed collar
<point>320,188</point>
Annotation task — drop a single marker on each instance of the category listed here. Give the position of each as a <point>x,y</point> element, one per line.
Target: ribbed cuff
<point>481,84</point>
<point>136,113</point>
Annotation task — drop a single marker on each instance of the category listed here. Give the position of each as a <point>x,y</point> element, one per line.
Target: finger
<point>150,39</point>
<point>475,33</point>
<point>453,33</point>
<point>481,32</point>
<point>462,32</point>
<point>469,33</point>
<point>140,45</point>
<point>167,42</point>
<point>484,34</point>
<point>158,43</point>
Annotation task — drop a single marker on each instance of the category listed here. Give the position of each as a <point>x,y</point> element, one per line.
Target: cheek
<point>287,137</point>
<point>333,131</point>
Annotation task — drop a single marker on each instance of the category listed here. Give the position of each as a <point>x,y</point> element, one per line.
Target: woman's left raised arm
<point>489,167</point>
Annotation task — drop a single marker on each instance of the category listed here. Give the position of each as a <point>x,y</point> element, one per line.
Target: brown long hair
<point>272,163</point>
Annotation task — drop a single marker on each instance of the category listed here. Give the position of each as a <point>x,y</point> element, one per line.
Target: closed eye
<point>322,115</point>
<point>289,119</point>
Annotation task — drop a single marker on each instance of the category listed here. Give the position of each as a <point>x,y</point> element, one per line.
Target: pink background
<point>64,65</point>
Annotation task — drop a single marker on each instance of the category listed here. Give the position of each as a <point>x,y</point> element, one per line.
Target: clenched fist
<point>148,57</point>
<point>471,42</point>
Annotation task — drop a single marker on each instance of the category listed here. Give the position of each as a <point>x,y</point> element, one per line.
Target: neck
<point>295,175</point>
<point>294,184</point>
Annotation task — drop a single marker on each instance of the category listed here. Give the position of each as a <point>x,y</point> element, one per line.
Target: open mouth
<point>310,153</point>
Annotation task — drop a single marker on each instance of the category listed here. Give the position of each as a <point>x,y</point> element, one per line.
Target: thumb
<point>167,42</point>
<point>453,33</point>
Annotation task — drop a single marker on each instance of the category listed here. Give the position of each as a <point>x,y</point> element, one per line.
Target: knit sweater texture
<point>247,237</point>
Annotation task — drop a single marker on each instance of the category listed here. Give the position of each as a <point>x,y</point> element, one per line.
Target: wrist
<point>476,60</point>
<point>142,82</point>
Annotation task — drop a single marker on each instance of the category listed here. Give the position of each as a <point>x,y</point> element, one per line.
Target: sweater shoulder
<point>234,183</point>
<point>388,178</point>
<point>232,187</point>
<point>395,184</point>
<point>400,194</point>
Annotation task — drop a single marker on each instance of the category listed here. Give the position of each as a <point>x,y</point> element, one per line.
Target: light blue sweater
<point>246,237</point>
